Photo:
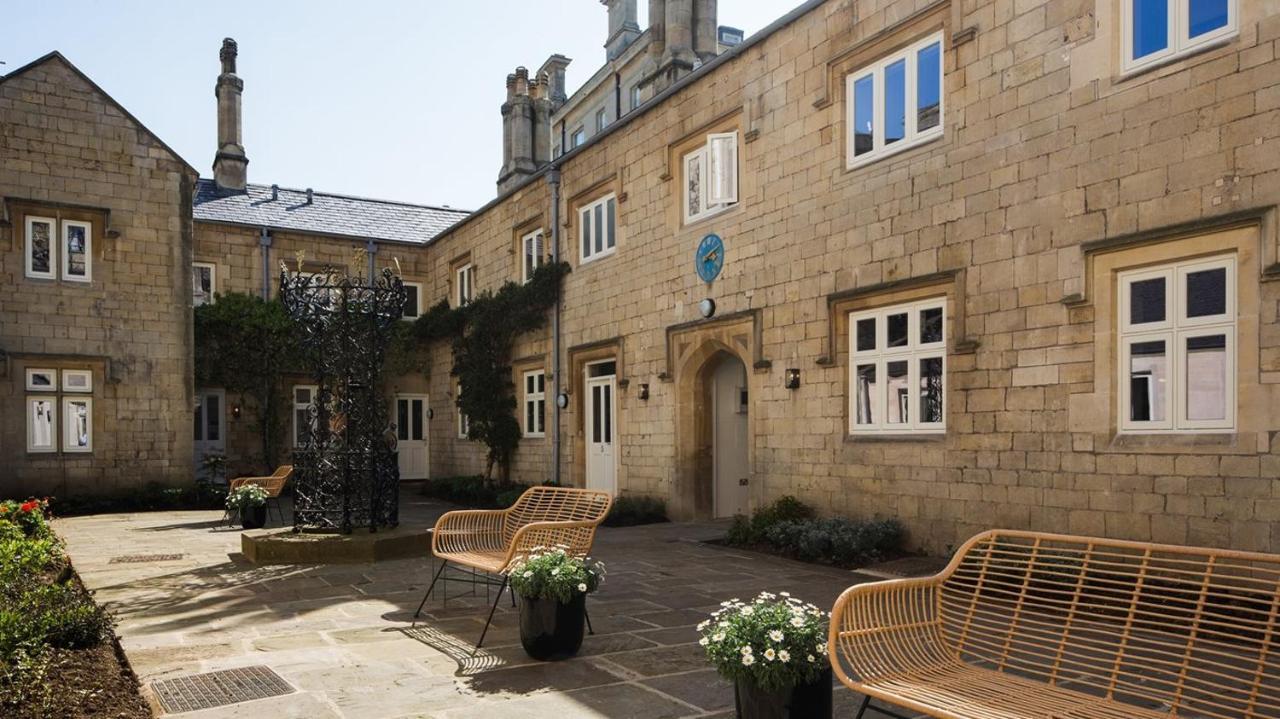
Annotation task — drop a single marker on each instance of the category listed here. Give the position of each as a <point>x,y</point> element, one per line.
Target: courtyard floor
<point>187,602</point>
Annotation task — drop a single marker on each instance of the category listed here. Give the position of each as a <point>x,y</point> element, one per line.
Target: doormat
<point>144,558</point>
<point>215,689</point>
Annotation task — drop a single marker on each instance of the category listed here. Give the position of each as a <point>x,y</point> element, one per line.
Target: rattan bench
<point>1023,625</point>
<point>491,540</point>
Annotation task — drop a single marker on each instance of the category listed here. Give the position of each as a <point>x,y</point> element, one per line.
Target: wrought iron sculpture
<point>345,473</point>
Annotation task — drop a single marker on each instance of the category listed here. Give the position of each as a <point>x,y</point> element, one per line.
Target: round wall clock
<point>709,259</point>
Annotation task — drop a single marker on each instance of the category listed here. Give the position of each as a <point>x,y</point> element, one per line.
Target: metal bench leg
<point>493,609</point>
<point>866,704</point>
<point>439,571</point>
<point>862,708</point>
<point>587,614</point>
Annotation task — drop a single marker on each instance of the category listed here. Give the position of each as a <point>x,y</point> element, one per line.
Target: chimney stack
<point>623,28</point>
<point>526,118</point>
<point>683,36</point>
<point>554,70</point>
<point>230,166</point>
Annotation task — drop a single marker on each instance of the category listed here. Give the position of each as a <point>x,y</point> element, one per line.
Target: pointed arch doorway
<point>714,434</point>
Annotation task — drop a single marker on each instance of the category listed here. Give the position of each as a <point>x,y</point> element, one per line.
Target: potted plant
<point>250,502</point>
<point>774,650</point>
<point>553,589</point>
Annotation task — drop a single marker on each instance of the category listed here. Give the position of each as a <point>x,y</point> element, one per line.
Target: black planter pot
<point>253,517</point>
<point>550,630</point>
<point>802,701</point>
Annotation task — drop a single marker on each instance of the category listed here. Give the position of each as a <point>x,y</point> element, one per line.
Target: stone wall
<point>67,151</point>
<point>1053,172</point>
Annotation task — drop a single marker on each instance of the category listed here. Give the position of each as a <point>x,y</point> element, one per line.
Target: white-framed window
<point>412,300</point>
<point>635,96</point>
<point>42,424</point>
<point>597,228</point>
<point>535,403</point>
<point>896,102</point>
<point>41,248</point>
<point>578,137</point>
<point>1153,31</point>
<point>898,369</point>
<point>602,119</point>
<point>42,380</point>
<point>79,381</point>
<point>77,424</point>
<point>1177,330</point>
<point>204,283</point>
<point>77,251</point>
<point>304,421</point>
<point>464,285</point>
<point>532,254</point>
<point>711,177</point>
<point>464,422</point>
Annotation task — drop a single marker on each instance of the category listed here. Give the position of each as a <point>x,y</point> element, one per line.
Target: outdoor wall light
<point>644,391</point>
<point>793,379</point>
<point>431,413</point>
<point>235,411</point>
<point>562,400</point>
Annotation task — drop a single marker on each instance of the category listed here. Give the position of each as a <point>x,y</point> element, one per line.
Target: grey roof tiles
<point>326,214</point>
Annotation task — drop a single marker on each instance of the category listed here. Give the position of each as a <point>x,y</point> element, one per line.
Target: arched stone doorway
<point>713,433</point>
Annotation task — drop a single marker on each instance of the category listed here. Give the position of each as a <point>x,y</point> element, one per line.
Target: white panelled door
<point>210,426</point>
<point>601,430</point>
<point>411,435</point>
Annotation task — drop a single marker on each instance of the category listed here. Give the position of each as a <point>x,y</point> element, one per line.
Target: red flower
<point>28,506</point>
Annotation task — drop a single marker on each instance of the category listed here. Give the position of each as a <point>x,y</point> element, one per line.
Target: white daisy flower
<point>812,659</point>
<point>555,571</point>
<point>703,624</point>
<point>770,654</point>
<point>784,594</point>
<point>746,649</point>
<point>748,611</point>
<point>748,660</point>
<point>775,635</point>
<point>703,641</point>
<point>784,655</point>
<point>797,622</point>
<point>717,637</point>
<point>528,574</point>
<point>582,587</point>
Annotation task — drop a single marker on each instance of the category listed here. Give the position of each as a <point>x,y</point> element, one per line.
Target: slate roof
<point>328,214</point>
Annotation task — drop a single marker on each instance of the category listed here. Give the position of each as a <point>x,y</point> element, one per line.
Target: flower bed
<point>789,528</point>
<point>57,653</point>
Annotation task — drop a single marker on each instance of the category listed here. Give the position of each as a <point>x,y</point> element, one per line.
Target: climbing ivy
<point>483,333</point>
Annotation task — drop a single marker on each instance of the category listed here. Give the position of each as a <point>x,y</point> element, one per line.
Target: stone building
<point>95,325</point>
<point>967,263</point>
<point>1052,233</point>
<point>243,232</point>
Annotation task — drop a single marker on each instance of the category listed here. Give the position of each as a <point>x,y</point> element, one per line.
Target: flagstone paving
<point>342,634</point>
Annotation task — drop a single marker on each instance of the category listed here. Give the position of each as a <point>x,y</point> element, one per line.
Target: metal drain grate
<point>144,558</point>
<point>215,689</point>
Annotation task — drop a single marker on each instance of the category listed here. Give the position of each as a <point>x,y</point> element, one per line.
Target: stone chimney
<point>623,28</point>
<point>230,166</point>
<point>554,69</point>
<point>526,135</point>
<point>683,36</point>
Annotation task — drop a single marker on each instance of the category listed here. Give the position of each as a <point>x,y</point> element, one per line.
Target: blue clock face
<point>709,259</point>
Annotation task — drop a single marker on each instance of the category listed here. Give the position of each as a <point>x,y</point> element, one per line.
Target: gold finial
<point>298,256</point>
<point>397,261</point>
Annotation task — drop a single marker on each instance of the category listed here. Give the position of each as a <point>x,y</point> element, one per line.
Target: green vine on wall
<point>483,334</point>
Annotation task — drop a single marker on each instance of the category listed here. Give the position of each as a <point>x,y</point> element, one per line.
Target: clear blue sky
<point>396,100</point>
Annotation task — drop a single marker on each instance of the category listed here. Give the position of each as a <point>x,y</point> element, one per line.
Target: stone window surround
<point>677,150</point>
<point>518,233</point>
<point>538,397</point>
<point>879,357</point>
<point>456,265</point>
<point>1087,411</point>
<point>419,309</point>
<point>99,369</point>
<point>97,218</point>
<point>876,70</point>
<point>612,184</point>
<point>214,270</point>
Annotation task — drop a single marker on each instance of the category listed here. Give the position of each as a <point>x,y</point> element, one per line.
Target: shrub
<point>631,510</point>
<point>773,642</point>
<point>553,574</point>
<point>838,540</point>
<point>30,516</point>
<point>474,491</point>
<point>752,531</point>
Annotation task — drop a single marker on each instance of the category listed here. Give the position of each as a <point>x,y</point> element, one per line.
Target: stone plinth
<point>282,546</point>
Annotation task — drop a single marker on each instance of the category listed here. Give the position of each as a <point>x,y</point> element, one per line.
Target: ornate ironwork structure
<point>346,473</point>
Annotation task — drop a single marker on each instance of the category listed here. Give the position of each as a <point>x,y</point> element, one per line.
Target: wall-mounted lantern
<point>235,411</point>
<point>793,379</point>
<point>431,413</point>
<point>562,400</point>
<point>644,391</point>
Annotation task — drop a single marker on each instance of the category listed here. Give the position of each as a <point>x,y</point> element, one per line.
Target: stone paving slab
<point>343,635</point>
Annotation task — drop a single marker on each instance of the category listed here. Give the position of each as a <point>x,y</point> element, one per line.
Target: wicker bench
<point>491,540</point>
<point>1023,625</point>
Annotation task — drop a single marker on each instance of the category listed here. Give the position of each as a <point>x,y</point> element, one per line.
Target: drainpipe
<point>264,241</point>
<point>371,248</point>
<point>553,179</point>
<point>617,96</point>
